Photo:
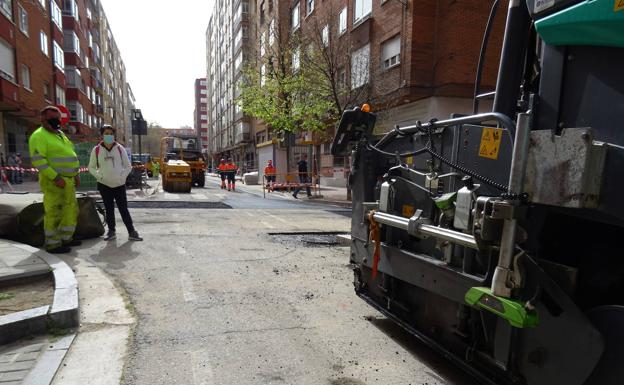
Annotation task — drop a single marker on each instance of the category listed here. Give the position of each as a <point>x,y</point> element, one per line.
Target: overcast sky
<point>164,49</point>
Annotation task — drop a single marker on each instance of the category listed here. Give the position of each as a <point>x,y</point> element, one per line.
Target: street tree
<point>278,90</point>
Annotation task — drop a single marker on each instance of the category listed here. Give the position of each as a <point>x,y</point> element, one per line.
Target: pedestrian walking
<point>222,170</point>
<point>110,166</point>
<point>53,154</point>
<point>302,168</point>
<point>20,169</point>
<point>270,174</point>
<point>12,163</point>
<point>231,170</point>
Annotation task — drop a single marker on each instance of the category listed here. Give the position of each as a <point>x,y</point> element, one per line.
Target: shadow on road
<point>440,367</point>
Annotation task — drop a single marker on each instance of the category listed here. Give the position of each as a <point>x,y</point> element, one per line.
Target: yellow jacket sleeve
<point>38,155</point>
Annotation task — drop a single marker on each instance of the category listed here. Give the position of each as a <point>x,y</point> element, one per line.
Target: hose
<point>484,44</point>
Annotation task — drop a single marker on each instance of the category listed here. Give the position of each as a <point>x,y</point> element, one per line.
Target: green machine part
<point>592,22</point>
<point>513,311</point>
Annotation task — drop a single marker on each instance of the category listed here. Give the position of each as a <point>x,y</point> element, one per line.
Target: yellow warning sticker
<point>408,211</point>
<point>490,142</point>
<point>618,6</point>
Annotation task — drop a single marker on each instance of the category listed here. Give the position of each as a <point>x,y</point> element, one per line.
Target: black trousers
<point>303,179</point>
<point>110,196</point>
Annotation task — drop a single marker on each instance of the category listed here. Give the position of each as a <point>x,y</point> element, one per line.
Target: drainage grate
<point>316,239</point>
<point>177,205</point>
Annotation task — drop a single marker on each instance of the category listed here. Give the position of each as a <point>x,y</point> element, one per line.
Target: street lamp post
<point>138,126</point>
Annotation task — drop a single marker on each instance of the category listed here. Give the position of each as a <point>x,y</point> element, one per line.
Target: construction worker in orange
<point>231,175</point>
<point>270,174</point>
<point>222,169</point>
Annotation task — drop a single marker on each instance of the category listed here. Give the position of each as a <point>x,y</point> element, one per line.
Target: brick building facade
<point>229,46</point>
<point>412,60</point>
<point>200,113</point>
<point>53,52</point>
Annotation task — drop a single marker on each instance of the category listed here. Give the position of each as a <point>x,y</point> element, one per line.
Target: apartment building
<point>96,76</point>
<point>229,46</point>
<point>59,52</point>
<point>411,60</point>
<point>31,67</point>
<point>200,114</point>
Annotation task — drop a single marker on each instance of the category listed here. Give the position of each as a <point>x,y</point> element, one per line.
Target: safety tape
<point>34,170</point>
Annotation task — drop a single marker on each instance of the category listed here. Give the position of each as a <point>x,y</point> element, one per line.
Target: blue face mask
<point>109,139</point>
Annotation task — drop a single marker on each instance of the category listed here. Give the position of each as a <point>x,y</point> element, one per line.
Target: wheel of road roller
<point>181,187</point>
<point>609,321</point>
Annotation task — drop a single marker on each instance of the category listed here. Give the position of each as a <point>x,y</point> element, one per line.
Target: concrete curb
<point>64,312</point>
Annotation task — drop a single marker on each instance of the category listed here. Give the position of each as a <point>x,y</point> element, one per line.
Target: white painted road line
<point>267,224</point>
<point>273,216</point>
<point>187,287</point>
<point>172,196</point>
<point>199,197</point>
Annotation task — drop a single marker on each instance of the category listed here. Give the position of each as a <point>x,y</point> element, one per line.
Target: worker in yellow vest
<point>52,153</point>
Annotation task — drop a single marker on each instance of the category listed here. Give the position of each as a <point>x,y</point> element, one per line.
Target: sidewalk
<point>329,195</point>
<point>24,359</point>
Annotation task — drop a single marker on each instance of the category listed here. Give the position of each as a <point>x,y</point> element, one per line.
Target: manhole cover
<point>177,205</point>
<point>308,239</point>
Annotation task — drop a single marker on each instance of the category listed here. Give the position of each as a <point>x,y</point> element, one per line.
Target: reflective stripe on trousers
<point>60,211</point>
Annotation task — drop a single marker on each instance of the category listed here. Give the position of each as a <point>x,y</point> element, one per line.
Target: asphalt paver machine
<point>496,238</point>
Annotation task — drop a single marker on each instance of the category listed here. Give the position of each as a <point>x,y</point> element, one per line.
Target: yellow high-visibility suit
<point>53,155</point>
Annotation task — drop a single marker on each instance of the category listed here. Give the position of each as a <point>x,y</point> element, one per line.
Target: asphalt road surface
<point>223,296</point>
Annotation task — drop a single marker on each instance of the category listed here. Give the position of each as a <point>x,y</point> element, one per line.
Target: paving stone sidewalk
<point>17,263</point>
<point>33,361</point>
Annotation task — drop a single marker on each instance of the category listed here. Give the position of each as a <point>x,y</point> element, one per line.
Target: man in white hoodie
<point>109,164</point>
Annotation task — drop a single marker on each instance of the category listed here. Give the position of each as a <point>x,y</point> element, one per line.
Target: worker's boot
<point>233,187</point>
<point>229,187</point>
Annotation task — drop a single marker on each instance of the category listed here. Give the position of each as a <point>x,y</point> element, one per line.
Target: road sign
<point>139,127</point>
<point>64,114</point>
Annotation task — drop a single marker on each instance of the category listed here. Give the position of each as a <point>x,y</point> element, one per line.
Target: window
<point>262,75</point>
<point>71,43</point>
<point>296,62</point>
<point>272,33</point>
<point>295,17</point>
<point>76,112</point>
<point>203,100</point>
<point>360,66</point>
<point>238,62</point>
<point>44,43</point>
<point>342,21</point>
<point>42,2</point>
<point>26,77</point>
<point>23,20</point>
<point>59,56</point>
<point>342,78</point>
<point>362,9</point>
<point>7,61</point>
<point>60,95</point>
<point>73,78</point>
<point>391,52</point>
<point>309,6</point>
<point>46,91</point>
<point>57,17</point>
<point>70,8</point>
<point>6,8</point>
<point>325,35</point>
